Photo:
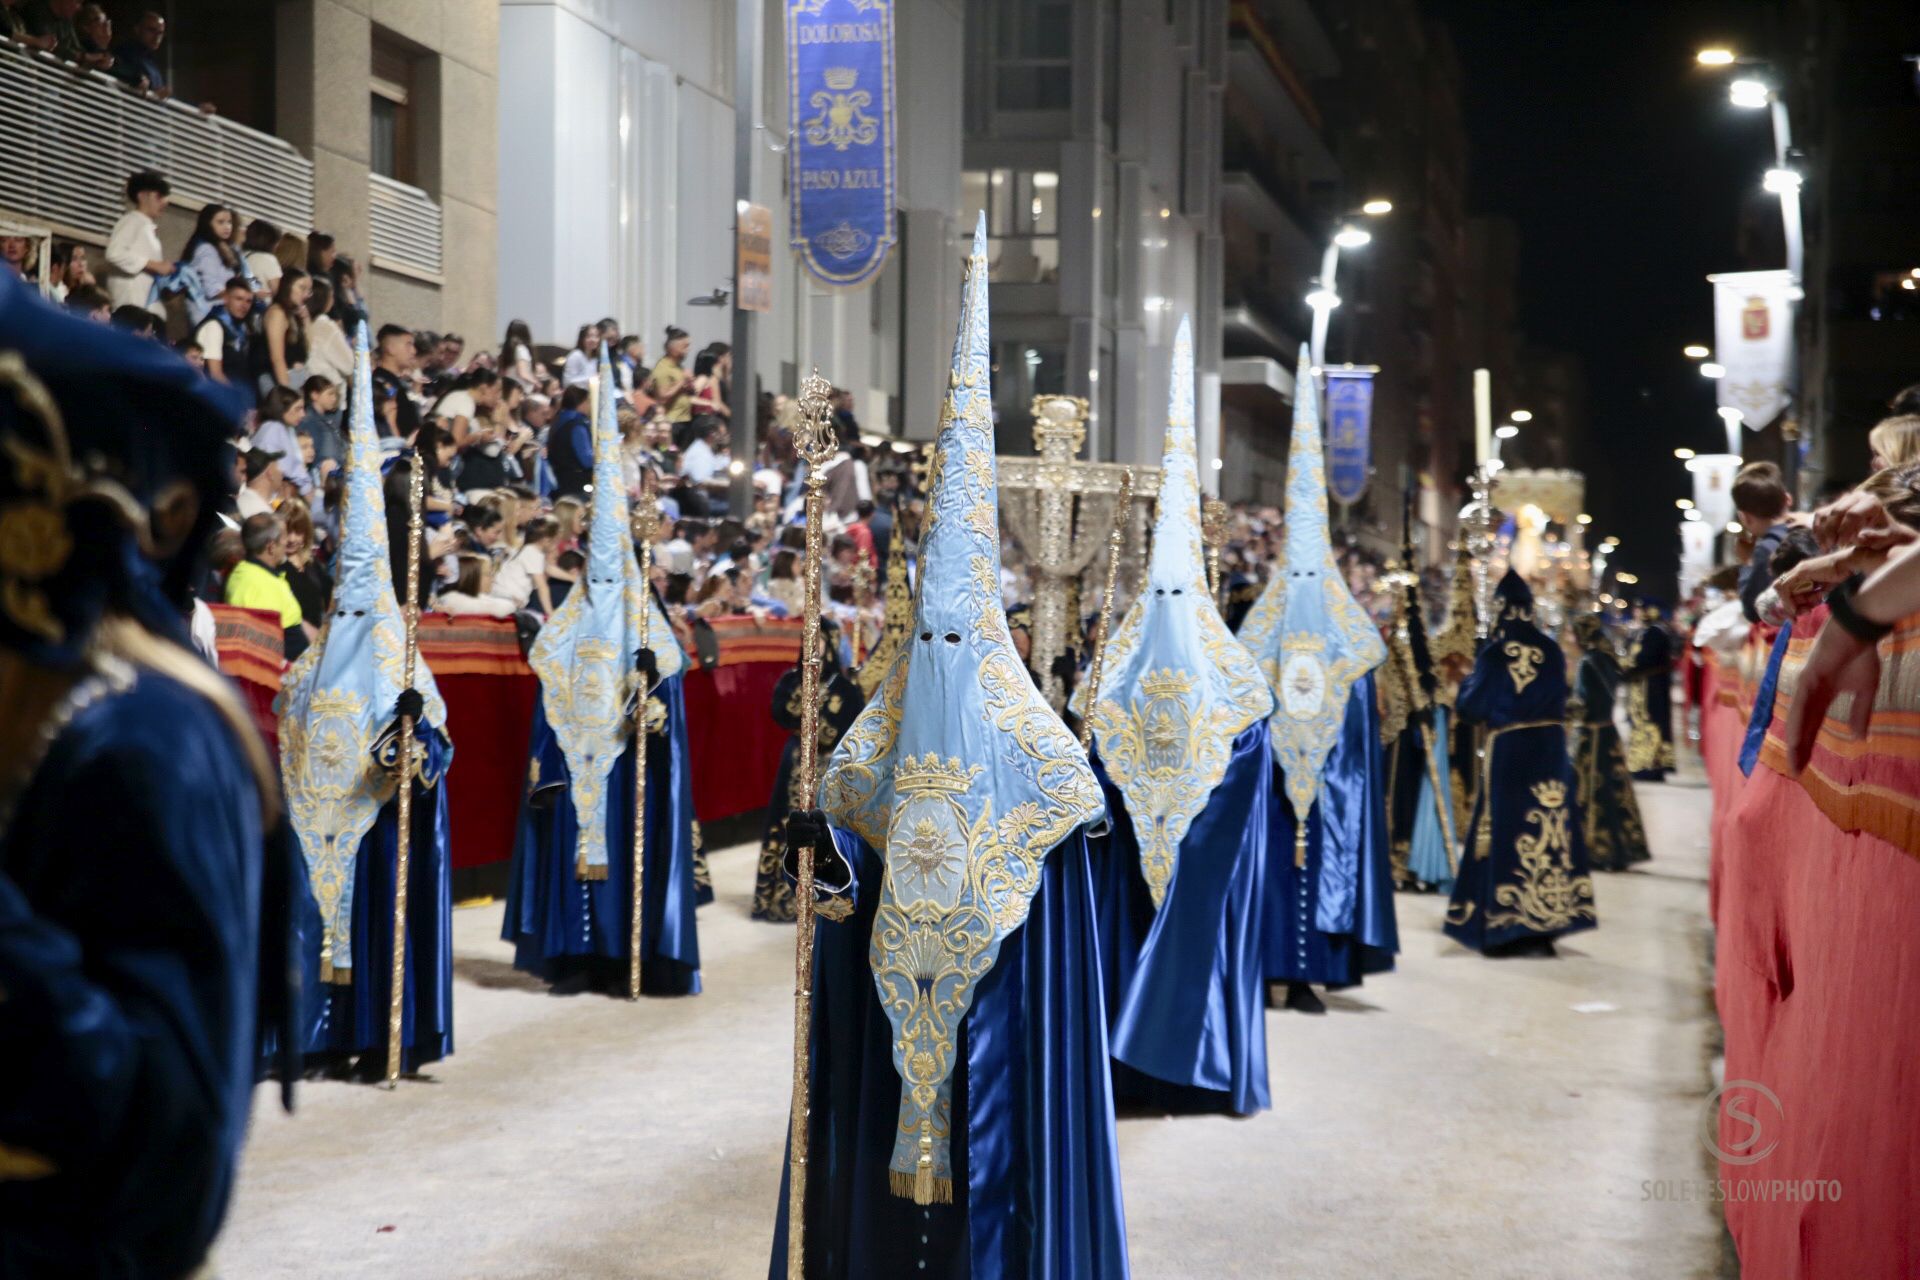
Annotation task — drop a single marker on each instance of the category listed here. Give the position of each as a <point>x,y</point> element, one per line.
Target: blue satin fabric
<point>1332,921</point>
<point>1428,856</point>
<point>1761,717</point>
<point>560,925</point>
<point>1185,988</point>
<point>130,892</point>
<point>343,1020</point>
<point>1035,1162</point>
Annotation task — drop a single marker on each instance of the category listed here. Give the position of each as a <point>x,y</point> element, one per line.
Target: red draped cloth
<point>489,691</point>
<point>252,649</point>
<point>1818,979</point>
<point>731,735</point>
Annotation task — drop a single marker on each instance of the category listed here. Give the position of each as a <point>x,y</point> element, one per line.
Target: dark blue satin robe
<point>1515,884</point>
<point>342,1020</point>
<point>130,897</point>
<point>1036,1166</point>
<point>1185,985</point>
<point>560,925</point>
<point>1332,921</point>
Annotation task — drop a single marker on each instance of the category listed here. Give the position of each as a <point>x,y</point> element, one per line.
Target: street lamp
<point>1749,94</point>
<point>1713,370</point>
<point>1714,57</point>
<point>1694,351</point>
<point>1683,454</point>
<point>1521,415</point>
<point>1506,431</point>
<point>1326,296</point>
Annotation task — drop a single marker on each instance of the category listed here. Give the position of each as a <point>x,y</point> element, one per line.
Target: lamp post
<point>1754,91</point>
<point>1325,295</point>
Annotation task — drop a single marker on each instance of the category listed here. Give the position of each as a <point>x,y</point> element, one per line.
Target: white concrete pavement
<point>1459,1117</point>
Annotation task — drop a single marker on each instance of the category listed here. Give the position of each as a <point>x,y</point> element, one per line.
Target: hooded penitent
<point>1179,687</point>
<point>1458,638</point>
<point>957,773</point>
<point>584,655</point>
<point>1313,640</point>
<point>339,696</point>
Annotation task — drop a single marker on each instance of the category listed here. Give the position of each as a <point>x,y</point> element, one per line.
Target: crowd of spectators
<point>82,36</point>
<point>503,434</point>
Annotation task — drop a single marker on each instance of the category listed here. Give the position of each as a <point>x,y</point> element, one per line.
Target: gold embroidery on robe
<point>1546,896</point>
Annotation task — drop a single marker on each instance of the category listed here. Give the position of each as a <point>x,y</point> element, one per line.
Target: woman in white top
<point>522,580</point>
<point>133,250</point>
<point>584,359</point>
<point>470,594</point>
<point>329,354</point>
<point>516,354</point>
<point>257,250</point>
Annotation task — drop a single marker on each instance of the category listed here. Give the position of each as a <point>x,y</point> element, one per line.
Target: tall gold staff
<point>644,522</point>
<point>410,656</point>
<point>1122,509</point>
<point>813,439</point>
<point>1213,531</point>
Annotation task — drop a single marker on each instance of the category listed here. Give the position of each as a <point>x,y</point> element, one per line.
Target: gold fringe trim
<point>336,974</point>
<point>1300,844</point>
<point>905,1185</point>
<point>581,871</point>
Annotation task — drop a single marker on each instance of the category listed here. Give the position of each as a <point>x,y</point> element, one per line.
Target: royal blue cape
<point>1332,920</point>
<point>1036,1166</point>
<point>1185,986</point>
<point>342,1020</point>
<point>559,923</point>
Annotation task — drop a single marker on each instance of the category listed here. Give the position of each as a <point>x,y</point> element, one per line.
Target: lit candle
<point>1482,415</point>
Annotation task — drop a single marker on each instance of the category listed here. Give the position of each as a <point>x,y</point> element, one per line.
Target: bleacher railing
<point>73,136</point>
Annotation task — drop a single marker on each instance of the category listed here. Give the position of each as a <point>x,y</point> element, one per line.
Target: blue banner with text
<point>840,124</point>
<point>1349,433</point>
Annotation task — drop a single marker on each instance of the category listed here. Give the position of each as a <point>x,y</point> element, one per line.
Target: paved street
<point>1458,1117</point>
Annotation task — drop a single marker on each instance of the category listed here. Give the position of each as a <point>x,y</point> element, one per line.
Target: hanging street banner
<point>1753,340</point>
<point>1713,475</point>
<point>1697,539</point>
<point>840,124</point>
<point>1349,431</point>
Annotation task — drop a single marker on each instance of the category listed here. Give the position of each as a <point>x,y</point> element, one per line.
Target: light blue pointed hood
<point>584,653</point>
<point>957,772</point>
<point>337,699</point>
<point>1179,687</point>
<point>1312,638</point>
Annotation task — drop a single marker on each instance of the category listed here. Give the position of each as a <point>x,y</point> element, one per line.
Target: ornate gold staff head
<point>814,438</point>
<point>1214,522</point>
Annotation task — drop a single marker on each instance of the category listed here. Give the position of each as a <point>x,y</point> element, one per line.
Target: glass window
<point>383,157</point>
<point>1033,53</point>
<point>1023,222</point>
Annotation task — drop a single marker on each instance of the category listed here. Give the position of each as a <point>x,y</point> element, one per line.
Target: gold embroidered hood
<point>1180,688</point>
<point>1312,638</point>
<point>957,772</point>
<point>339,695</point>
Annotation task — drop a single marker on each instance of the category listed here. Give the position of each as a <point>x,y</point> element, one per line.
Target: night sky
<point>1628,174</point>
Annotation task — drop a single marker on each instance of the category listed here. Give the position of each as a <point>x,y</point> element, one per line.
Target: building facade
<point>617,191</point>
<point>367,120</point>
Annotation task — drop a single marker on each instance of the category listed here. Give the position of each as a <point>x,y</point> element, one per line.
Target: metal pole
<point>1796,263</point>
<point>744,399</point>
<point>1323,315</point>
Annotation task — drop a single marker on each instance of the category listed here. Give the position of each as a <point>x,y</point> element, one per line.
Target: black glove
<point>831,873</point>
<point>648,665</point>
<point>806,826</point>
<point>410,704</point>
<point>1064,669</point>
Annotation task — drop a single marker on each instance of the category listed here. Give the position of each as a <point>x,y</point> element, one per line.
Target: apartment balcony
<point>1263,73</point>
<point>1257,320</point>
<point>73,137</point>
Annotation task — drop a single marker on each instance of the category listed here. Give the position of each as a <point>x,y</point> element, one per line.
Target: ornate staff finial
<point>814,438</point>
